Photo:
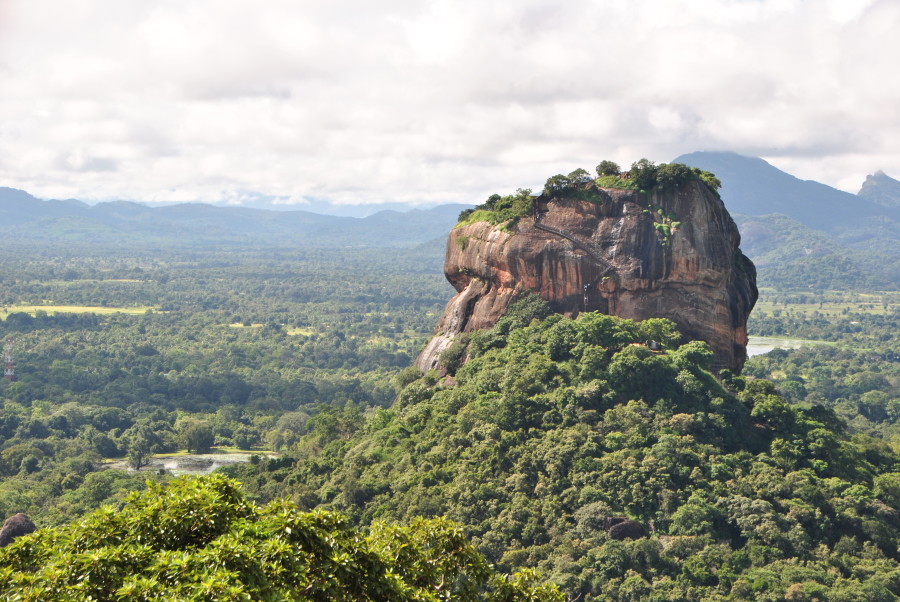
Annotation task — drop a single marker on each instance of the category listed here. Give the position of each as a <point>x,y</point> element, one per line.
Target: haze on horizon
<point>343,103</point>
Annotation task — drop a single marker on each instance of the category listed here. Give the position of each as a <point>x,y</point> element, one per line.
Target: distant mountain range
<point>800,233</point>
<point>121,222</point>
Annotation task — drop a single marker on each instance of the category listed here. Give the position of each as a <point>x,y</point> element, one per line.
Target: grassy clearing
<point>479,215</point>
<point>379,342</point>
<point>760,345</point>
<point>216,450</point>
<point>300,331</point>
<point>183,453</point>
<point>238,450</point>
<point>74,309</point>
<point>290,331</point>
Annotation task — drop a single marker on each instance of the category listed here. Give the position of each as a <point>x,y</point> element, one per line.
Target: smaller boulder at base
<point>15,526</point>
<point>627,529</point>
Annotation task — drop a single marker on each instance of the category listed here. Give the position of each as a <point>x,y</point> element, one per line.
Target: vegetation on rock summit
<point>644,175</point>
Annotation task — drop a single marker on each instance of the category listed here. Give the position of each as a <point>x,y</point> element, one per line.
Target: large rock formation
<point>631,254</point>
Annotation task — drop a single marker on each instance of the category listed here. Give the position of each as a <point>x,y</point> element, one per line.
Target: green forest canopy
<point>554,426</point>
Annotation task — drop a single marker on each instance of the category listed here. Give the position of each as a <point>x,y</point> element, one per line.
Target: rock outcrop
<point>15,526</point>
<point>623,528</point>
<point>635,255</point>
<point>882,189</point>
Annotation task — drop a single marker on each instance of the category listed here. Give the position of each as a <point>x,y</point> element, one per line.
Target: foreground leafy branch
<point>201,539</point>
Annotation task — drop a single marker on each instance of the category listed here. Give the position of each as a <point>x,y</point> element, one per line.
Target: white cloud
<point>431,101</point>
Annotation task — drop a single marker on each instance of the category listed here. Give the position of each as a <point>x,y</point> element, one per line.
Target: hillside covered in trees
<point>554,426</point>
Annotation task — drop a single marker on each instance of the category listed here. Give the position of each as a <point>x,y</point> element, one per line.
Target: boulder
<point>627,529</point>
<point>15,526</point>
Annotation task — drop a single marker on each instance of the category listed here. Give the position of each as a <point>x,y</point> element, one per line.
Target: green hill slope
<point>554,427</point>
<point>791,256</point>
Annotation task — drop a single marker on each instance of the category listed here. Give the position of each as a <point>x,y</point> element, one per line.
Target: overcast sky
<point>430,101</point>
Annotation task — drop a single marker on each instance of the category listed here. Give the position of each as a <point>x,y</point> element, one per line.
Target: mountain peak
<point>882,189</point>
<point>13,195</point>
<point>752,186</point>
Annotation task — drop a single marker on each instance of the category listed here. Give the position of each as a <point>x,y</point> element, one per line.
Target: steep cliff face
<point>660,255</point>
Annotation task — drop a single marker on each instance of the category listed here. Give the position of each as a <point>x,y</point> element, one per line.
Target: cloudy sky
<point>429,101</point>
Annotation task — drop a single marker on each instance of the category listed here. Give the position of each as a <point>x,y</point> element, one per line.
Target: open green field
<point>73,309</point>
<point>826,303</point>
<point>183,453</point>
<point>304,331</point>
<point>218,450</point>
<point>182,462</point>
<point>300,331</point>
<point>81,281</point>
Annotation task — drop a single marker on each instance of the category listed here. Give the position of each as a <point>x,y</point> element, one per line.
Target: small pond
<point>760,345</point>
<point>191,463</point>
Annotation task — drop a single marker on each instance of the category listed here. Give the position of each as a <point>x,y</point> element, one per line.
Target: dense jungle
<point>782,482</point>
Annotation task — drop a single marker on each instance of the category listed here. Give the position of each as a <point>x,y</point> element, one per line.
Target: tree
<point>708,178</point>
<point>608,168</point>
<point>139,451</point>
<point>643,174</point>
<point>556,185</point>
<point>452,357</point>
<point>670,176</point>
<point>527,307</point>
<point>197,436</point>
<point>661,330</point>
<point>201,539</point>
<point>579,177</point>
<point>694,353</point>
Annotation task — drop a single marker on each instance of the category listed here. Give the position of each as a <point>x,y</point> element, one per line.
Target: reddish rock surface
<point>698,277</point>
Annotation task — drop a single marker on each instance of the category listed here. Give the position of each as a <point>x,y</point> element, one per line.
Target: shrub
<point>452,357</point>
<point>671,176</point>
